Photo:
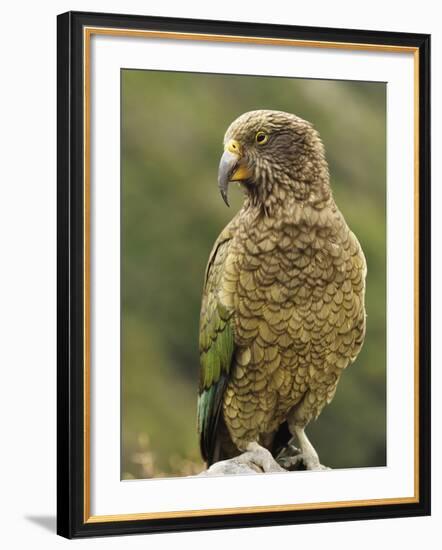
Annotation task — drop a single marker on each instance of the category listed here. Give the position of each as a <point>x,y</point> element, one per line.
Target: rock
<point>231,466</point>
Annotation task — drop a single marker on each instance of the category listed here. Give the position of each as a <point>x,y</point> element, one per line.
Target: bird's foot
<point>261,457</point>
<point>311,462</point>
<point>308,455</point>
<point>290,458</point>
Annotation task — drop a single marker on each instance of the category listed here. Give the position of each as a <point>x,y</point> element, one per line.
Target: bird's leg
<point>297,421</point>
<point>261,457</point>
<point>308,455</point>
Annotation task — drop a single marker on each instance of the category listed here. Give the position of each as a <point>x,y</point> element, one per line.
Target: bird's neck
<point>287,195</point>
<point>305,182</point>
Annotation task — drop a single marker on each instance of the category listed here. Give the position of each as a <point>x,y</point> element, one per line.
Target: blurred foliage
<point>172,130</point>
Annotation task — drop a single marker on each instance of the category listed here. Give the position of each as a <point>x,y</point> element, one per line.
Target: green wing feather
<point>216,351</point>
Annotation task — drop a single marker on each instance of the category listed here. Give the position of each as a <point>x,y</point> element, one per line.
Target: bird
<point>283,304</point>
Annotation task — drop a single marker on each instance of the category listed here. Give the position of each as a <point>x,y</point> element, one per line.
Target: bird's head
<point>274,155</point>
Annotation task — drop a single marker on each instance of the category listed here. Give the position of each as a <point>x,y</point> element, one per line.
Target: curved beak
<point>228,163</point>
<point>231,168</point>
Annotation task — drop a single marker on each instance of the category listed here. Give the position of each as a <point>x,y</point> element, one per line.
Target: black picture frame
<point>72,521</point>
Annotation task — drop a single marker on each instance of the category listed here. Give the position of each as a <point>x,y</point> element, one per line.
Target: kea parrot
<point>283,310</point>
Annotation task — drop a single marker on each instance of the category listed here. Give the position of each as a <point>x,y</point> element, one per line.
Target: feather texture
<point>283,305</point>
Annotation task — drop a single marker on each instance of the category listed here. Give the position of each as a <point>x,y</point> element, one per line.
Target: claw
<point>290,458</point>
<point>312,463</point>
<point>288,451</point>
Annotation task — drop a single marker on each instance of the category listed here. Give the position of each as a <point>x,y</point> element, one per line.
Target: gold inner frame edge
<point>87,34</point>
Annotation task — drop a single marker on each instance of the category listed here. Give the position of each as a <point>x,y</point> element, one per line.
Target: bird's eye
<point>261,138</point>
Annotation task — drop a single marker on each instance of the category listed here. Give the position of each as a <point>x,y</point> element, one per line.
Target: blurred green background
<point>172,130</point>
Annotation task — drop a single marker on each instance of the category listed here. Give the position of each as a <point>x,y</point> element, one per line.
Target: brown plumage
<point>283,305</point>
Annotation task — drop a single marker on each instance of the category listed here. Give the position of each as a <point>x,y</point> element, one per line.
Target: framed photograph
<point>263,364</point>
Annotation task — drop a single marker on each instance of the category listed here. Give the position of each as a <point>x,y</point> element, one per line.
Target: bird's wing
<point>216,344</point>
